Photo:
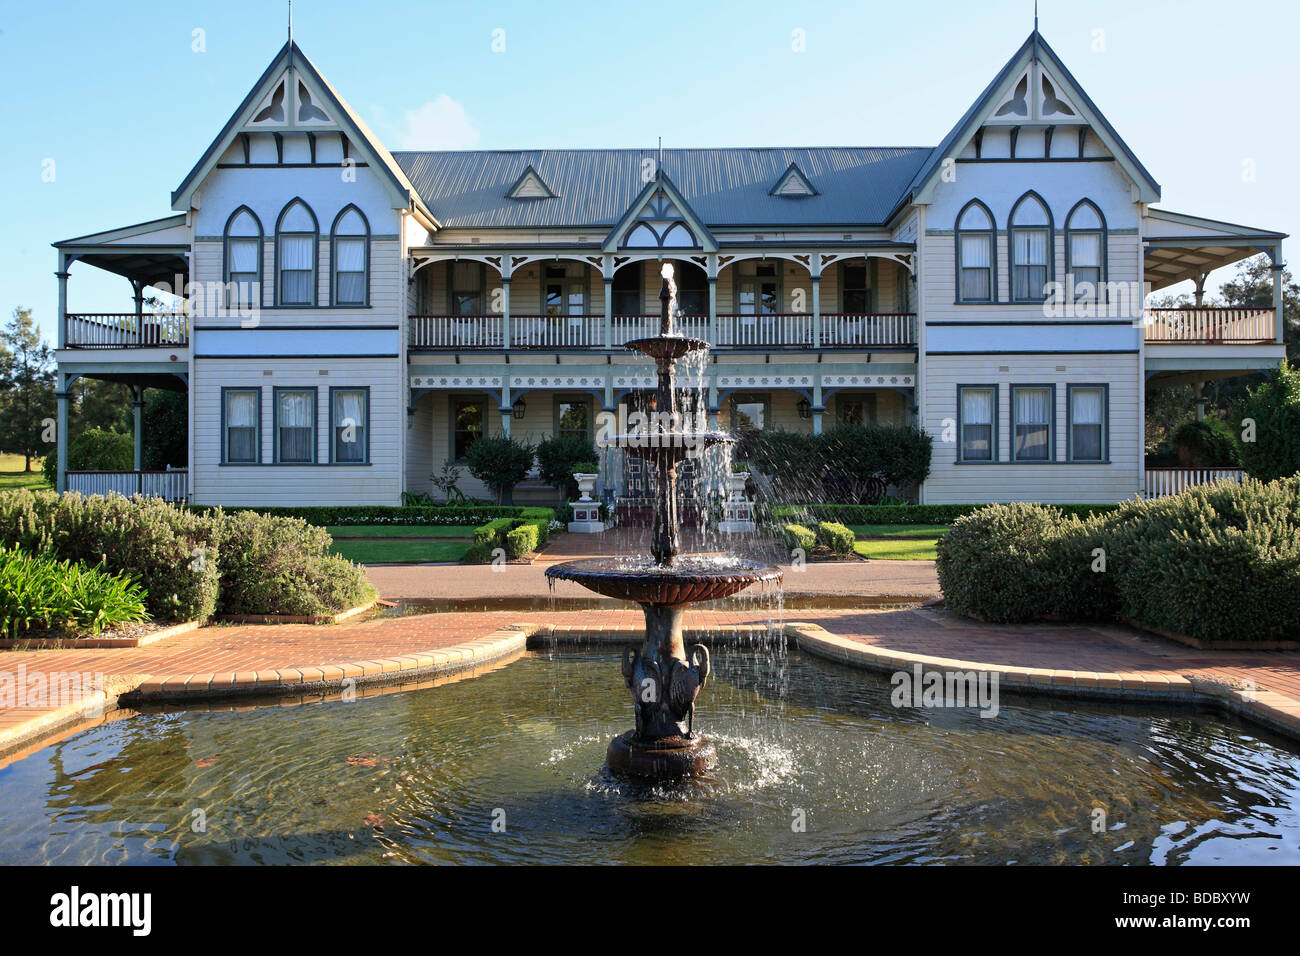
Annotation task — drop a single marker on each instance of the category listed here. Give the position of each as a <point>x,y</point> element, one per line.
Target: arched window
<point>243,268</point>
<point>350,258</point>
<point>976,254</point>
<point>296,232</point>
<point>1085,250</point>
<point>1030,226</point>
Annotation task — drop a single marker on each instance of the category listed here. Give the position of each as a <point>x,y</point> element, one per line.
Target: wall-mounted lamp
<point>518,408</point>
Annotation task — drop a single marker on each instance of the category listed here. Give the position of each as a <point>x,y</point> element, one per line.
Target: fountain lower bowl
<point>665,759</point>
<point>690,580</point>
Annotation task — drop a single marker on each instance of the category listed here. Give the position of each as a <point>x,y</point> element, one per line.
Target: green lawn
<point>365,551</point>
<point>12,475</point>
<point>897,542</point>
<point>400,531</point>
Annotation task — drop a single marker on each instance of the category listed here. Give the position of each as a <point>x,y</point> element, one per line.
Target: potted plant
<point>585,474</point>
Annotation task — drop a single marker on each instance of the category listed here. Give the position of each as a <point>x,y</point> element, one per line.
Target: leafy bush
<point>1206,444</point>
<point>557,457</point>
<point>164,432</point>
<point>835,536</point>
<point>797,536</point>
<point>850,457</point>
<point>500,463</point>
<point>41,592</point>
<point>1218,562</point>
<point>171,551</point>
<point>284,566</point>
<point>521,540</point>
<point>902,514</point>
<point>1274,407</point>
<point>585,468</point>
<point>95,449</point>
<point>493,534</point>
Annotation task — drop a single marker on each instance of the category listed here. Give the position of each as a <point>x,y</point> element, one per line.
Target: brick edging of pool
<point>1275,711</point>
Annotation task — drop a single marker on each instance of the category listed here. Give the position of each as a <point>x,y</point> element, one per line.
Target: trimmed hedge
<point>517,536</point>
<point>273,565</point>
<point>397,515</point>
<point>797,536</point>
<point>519,541</point>
<point>903,514</point>
<point>835,536</point>
<point>172,552</point>
<point>1218,562</point>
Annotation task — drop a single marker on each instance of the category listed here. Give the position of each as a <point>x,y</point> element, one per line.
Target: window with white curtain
<point>1031,411</point>
<point>976,238</point>
<point>1085,250</point>
<point>350,414</point>
<point>295,236</point>
<point>351,257</point>
<point>295,425</point>
<point>978,407</point>
<point>242,416</point>
<point>243,259</point>
<point>1088,423</point>
<point>1031,248</point>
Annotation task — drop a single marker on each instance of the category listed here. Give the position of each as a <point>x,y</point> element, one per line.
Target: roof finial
<point>291,33</point>
<point>660,167</point>
<point>1035,14</point>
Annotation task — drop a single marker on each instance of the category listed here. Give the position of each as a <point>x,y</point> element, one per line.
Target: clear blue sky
<point>115,95</point>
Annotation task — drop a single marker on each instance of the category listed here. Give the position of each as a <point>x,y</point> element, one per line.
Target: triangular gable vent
<point>530,186</point>
<point>793,184</point>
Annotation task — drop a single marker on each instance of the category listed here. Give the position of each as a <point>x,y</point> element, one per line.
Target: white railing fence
<point>1170,481</point>
<point>1210,325</point>
<point>168,485</point>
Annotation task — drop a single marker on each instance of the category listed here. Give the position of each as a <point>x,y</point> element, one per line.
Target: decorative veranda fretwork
<point>634,381</point>
<point>455,381</point>
<point>765,381</point>
<point>864,381</point>
<point>557,381</point>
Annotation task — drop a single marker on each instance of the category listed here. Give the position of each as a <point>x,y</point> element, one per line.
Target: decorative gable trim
<point>292,94</point>
<point>1022,76</point>
<point>641,219</point>
<point>530,185</point>
<point>793,184</point>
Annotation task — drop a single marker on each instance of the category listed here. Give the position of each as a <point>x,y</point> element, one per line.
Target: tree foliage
<point>26,388</point>
<point>1273,408</point>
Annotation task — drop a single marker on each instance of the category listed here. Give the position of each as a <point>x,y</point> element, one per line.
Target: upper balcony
<point>126,330</point>
<point>1210,326</point>
<point>736,331</point>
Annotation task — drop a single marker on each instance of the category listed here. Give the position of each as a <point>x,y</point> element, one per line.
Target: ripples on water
<point>420,776</point>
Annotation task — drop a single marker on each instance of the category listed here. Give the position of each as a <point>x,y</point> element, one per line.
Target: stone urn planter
<point>736,482</point>
<point>586,485</point>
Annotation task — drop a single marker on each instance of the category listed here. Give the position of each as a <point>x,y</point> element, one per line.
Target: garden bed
<point>126,635</point>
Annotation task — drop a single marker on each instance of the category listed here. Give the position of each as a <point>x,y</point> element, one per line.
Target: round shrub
<point>797,536</point>
<point>95,449</point>
<point>557,457</point>
<point>1218,562</point>
<point>835,536</point>
<point>500,463</point>
<point>283,566</point>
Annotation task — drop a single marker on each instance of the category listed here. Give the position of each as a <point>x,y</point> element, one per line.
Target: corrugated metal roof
<point>594,187</point>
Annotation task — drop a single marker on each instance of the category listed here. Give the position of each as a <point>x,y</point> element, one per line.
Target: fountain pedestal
<point>663,676</point>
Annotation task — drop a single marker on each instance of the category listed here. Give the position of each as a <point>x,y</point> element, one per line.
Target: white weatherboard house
<point>356,317</point>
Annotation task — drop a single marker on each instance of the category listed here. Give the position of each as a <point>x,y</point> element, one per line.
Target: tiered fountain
<point>663,679</point>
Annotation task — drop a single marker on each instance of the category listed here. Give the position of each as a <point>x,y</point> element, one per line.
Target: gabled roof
<point>725,187</point>
<point>347,119</point>
<point>1034,48</point>
<point>793,184</point>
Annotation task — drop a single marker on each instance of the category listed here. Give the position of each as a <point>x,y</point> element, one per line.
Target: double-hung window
<point>1085,250</point>
<point>243,259</point>
<point>978,408</point>
<point>1031,249</point>
<point>976,245</point>
<point>1088,416</point>
<point>295,236</point>
<point>351,258</point>
<point>1031,411</point>
<point>350,421</point>
<point>295,426</point>
<point>241,432</point>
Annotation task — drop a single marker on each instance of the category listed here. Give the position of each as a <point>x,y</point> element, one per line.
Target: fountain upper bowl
<point>693,578</point>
